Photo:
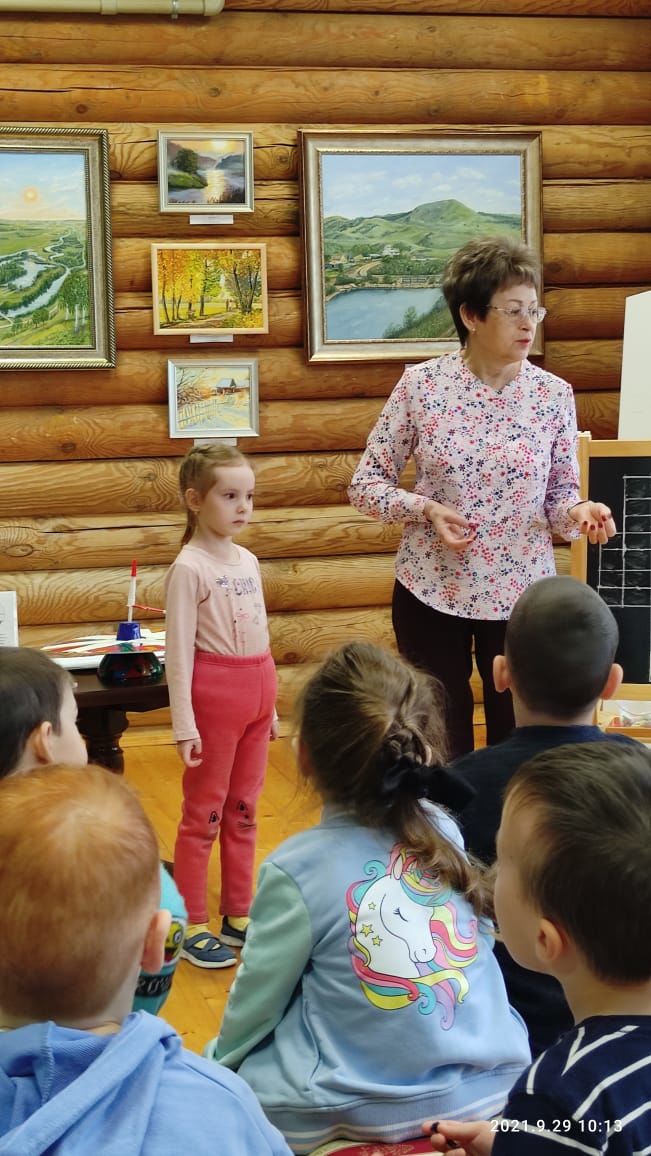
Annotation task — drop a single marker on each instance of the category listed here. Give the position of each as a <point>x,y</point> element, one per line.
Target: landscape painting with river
<point>44,278</point>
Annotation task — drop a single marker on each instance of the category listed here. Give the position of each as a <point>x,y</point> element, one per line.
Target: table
<point>103,713</point>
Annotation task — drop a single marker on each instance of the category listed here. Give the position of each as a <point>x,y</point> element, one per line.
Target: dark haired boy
<point>38,727</point>
<point>559,655</point>
<point>572,896</point>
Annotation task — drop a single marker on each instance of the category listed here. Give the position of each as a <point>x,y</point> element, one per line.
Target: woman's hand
<point>453,529</point>
<point>474,1139</point>
<point>275,729</point>
<point>190,752</point>
<point>595,520</point>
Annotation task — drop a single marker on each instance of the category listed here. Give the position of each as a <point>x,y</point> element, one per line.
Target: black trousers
<point>441,644</point>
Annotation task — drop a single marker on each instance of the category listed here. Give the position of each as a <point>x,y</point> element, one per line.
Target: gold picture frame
<point>56,288</point>
<point>209,288</point>
<point>382,211</point>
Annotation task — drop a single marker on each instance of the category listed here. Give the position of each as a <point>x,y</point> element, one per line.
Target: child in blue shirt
<point>80,902</point>
<point>572,896</point>
<point>368,992</point>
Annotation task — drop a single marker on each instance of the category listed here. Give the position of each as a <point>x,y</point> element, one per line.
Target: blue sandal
<point>205,950</point>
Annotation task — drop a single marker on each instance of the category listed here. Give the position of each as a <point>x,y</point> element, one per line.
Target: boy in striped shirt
<point>572,900</point>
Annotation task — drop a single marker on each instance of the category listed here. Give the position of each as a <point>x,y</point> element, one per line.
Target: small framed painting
<point>202,172</point>
<point>213,398</point>
<point>207,288</point>
<point>383,211</point>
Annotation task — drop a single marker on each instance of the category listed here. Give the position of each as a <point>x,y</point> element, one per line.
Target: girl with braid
<point>368,995</point>
<point>222,684</point>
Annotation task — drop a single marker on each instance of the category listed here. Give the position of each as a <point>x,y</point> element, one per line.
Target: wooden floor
<point>196,1001</point>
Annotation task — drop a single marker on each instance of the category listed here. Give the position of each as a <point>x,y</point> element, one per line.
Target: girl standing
<point>222,685</point>
<point>368,995</point>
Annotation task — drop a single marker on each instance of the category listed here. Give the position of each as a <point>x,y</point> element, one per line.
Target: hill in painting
<point>435,229</point>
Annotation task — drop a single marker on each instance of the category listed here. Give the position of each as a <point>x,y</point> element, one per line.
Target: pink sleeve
<point>563,481</point>
<point>374,489</point>
<point>182,598</point>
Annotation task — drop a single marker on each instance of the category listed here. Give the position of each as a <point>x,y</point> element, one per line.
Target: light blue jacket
<point>368,998</point>
<point>136,1093</point>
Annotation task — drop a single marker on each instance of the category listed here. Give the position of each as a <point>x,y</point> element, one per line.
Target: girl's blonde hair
<point>197,472</point>
<point>371,736</point>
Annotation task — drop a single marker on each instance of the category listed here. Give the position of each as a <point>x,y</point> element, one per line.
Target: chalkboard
<point>619,474</point>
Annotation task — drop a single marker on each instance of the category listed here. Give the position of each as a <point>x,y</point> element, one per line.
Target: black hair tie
<point>438,784</point>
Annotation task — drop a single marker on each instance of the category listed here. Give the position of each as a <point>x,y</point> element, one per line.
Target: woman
<point>493,438</point>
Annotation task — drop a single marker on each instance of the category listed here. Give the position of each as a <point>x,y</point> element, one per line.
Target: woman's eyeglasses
<point>535,313</point>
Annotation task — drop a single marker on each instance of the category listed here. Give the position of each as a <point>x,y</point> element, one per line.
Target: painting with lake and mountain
<point>54,253</point>
<point>200,172</point>
<point>382,217</point>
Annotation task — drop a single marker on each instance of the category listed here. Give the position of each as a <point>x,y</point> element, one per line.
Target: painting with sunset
<point>204,172</point>
<point>56,296</point>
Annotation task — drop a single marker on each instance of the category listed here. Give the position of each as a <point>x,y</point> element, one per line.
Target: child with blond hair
<point>79,895</point>
<point>222,685</point>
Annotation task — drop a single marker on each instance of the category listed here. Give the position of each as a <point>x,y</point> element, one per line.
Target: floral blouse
<point>504,459</point>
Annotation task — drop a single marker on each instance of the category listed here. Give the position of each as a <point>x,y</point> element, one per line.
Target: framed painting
<point>216,397</point>
<point>204,172</point>
<point>382,213</point>
<point>56,290</point>
<point>208,288</point>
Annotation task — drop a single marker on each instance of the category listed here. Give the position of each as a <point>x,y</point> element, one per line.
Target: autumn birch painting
<point>203,288</point>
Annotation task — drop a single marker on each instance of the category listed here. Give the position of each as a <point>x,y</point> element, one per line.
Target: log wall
<point>88,472</point>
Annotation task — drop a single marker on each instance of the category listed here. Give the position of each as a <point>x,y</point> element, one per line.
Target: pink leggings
<point>233,700</point>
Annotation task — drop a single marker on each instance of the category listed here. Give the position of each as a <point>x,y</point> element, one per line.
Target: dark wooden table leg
<point>102,729</point>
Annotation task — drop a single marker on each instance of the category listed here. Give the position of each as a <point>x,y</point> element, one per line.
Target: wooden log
<point>105,432</point>
<point>134,323</point>
<point>154,539</point>
<point>585,312</point>
<point>583,206</point>
<point>336,39</point>
<point>151,484</point>
<point>140,378</point>
<point>135,212</point>
<point>587,364</point>
<point>601,256</point>
<point>583,151</point>
<point>586,258</point>
<point>431,7</point>
<point>95,93</point>
<point>46,596</point>
<point>308,636</point>
<point>132,257</point>
<point>568,206</point>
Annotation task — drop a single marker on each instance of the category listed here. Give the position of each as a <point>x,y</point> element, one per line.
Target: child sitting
<point>368,991</point>
<point>573,884</point>
<point>38,727</point>
<point>79,894</point>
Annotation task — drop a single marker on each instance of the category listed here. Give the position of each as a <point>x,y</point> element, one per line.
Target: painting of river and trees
<point>200,172</point>
<point>204,288</point>
<point>382,216</point>
<point>55,290</point>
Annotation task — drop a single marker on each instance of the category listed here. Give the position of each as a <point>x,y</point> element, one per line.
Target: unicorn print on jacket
<point>405,942</point>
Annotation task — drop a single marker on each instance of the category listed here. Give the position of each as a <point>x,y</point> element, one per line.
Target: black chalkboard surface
<point>619,474</point>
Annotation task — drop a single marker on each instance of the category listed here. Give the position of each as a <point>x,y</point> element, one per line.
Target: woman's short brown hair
<point>475,272</point>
